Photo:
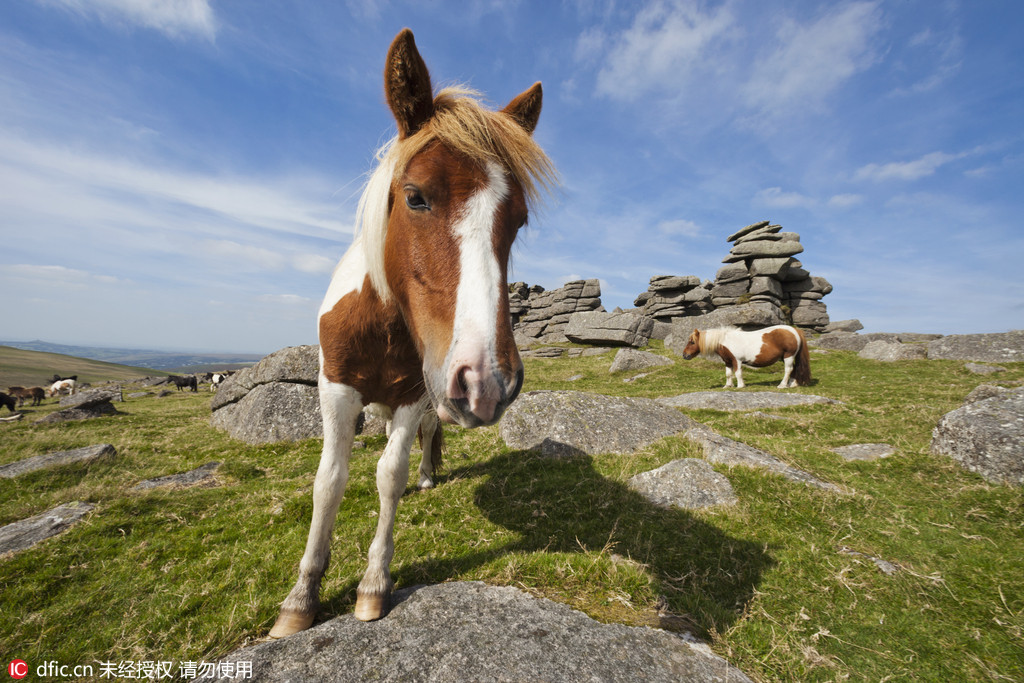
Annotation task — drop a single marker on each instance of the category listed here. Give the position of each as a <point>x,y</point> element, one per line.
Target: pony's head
<point>692,348</point>
<point>452,193</point>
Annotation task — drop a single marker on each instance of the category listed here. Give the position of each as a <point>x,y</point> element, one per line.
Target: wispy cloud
<point>667,43</point>
<point>174,18</point>
<point>809,61</point>
<point>776,197</point>
<point>906,170</point>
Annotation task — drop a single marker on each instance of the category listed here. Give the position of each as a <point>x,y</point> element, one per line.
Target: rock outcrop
<point>673,296</point>
<point>986,436</point>
<point>1005,347</point>
<point>274,400</point>
<point>617,329</point>
<point>760,268</point>
<point>468,631</point>
<point>540,317</point>
<point>568,423</point>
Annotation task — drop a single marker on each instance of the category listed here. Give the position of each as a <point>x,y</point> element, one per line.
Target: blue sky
<point>184,175</point>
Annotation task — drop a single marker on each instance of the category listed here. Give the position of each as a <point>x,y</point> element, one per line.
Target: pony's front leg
<point>339,406</point>
<point>739,375</point>
<point>373,594</point>
<point>786,383</point>
<point>728,375</point>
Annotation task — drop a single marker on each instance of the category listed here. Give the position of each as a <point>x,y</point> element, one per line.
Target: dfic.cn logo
<point>17,668</point>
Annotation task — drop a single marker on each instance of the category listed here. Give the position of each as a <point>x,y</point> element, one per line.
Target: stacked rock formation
<point>671,296</point>
<point>760,269</point>
<point>541,317</point>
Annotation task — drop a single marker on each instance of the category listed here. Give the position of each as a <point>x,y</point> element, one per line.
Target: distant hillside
<point>19,367</point>
<point>157,360</point>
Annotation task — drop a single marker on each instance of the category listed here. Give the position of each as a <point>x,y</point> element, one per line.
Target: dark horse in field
<point>186,382</point>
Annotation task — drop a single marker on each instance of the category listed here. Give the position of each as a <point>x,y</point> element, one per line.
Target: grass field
<point>190,574</point>
<point>36,368</point>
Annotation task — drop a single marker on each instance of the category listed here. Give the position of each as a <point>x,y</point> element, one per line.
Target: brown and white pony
<point>60,387</point>
<point>416,316</point>
<point>757,349</point>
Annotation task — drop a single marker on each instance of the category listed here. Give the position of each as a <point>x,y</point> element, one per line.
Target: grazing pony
<point>22,394</point>
<point>757,349</point>
<point>416,317</point>
<point>63,386</point>
<point>186,382</point>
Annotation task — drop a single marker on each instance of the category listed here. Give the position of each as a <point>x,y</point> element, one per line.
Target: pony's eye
<point>415,201</point>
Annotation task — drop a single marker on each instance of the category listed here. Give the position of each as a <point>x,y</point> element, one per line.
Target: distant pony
<point>187,382</point>
<point>757,349</point>
<point>8,401</point>
<point>22,394</point>
<point>61,387</point>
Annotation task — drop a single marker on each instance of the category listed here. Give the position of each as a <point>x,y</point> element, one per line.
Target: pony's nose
<point>481,395</point>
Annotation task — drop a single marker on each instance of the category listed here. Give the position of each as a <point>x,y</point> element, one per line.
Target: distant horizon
<point>165,350</point>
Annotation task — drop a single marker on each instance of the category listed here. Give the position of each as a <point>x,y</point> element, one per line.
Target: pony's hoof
<point>291,621</point>
<point>371,607</point>
<point>426,483</point>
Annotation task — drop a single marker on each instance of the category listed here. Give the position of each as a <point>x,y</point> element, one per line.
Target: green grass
<point>191,574</point>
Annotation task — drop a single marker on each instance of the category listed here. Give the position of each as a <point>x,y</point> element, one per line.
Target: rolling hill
<point>19,367</point>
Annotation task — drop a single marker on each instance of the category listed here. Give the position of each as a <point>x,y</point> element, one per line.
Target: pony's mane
<point>464,125</point>
<point>711,339</point>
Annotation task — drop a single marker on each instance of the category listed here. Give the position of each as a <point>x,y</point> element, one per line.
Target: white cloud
<point>175,18</point>
<point>844,201</point>
<point>812,60</point>
<point>679,227</point>
<point>89,188</point>
<point>30,277</point>
<point>905,170</point>
<point>666,44</point>
<point>776,198</point>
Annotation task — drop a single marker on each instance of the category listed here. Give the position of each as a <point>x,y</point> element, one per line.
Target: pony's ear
<point>525,107</point>
<point>407,85</point>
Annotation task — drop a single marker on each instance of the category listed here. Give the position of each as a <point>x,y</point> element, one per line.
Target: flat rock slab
<point>1005,347</point>
<point>724,451</point>
<point>38,462</point>
<point>566,423</point>
<point>468,631</point>
<point>79,413</point>
<point>979,369</point>
<point>689,483</point>
<point>744,400</point>
<point>22,535</point>
<point>986,437</point>
<point>892,351</point>
<point>93,397</point>
<point>199,475</point>
<point>864,451</point>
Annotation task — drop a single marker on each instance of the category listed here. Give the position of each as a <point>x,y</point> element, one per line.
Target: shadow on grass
<point>562,505</point>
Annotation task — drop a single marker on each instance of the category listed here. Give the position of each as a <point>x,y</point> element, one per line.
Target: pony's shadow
<point>562,505</point>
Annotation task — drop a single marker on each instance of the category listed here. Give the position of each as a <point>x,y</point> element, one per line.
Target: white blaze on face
<point>476,306</point>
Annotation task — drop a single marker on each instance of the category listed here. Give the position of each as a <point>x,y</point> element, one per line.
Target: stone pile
<point>672,296</point>
<point>760,268</point>
<point>541,317</point>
